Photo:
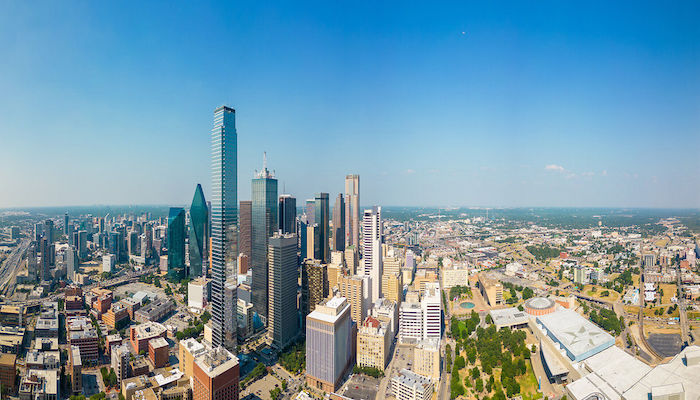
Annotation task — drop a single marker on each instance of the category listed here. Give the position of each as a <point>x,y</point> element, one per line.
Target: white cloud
<point>410,171</point>
<point>554,167</point>
<point>587,173</point>
<point>605,172</point>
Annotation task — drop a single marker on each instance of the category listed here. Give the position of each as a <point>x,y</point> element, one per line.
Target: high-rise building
<point>426,359</point>
<point>71,260</point>
<point>265,224</point>
<point>372,249</point>
<point>176,244</point>
<point>215,375</point>
<point>224,213</point>
<point>421,319</point>
<point>198,233</point>
<point>352,259</point>
<point>352,288</point>
<point>246,228</point>
<point>322,220</point>
<point>45,270</point>
<point>339,223</point>
<point>65,224</point>
<point>132,242</point>
<point>282,277</point>
<point>329,344</point>
<point>373,344</point>
<point>408,385</point>
<point>48,230</point>
<point>312,243</point>
<point>287,213</point>
<point>392,286</point>
<point>230,313</point>
<point>352,210</point>
<point>310,211</point>
<point>314,285</point>
<point>81,244</point>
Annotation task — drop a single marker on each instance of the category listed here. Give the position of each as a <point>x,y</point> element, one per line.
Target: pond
<point>467,305</point>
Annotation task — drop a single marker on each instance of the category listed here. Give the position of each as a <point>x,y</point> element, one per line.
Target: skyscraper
<point>65,223</point>
<point>310,213</point>
<point>282,277</point>
<point>224,203</point>
<point>264,198</point>
<point>176,244</point>
<point>82,244</point>
<point>198,229</point>
<point>287,213</point>
<point>352,210</point>
<point>45,248</point>
<point>339,223</point>
<point>372,249</point>
<point>314,285</point>
<point>322,219</point>
<point>246,228</point>
<point>48,230</point>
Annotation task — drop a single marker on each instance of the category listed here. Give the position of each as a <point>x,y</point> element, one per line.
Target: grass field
<point>669,291</point>
<point>649,312</point>
<point>528,385</point>
<point>588,290</point>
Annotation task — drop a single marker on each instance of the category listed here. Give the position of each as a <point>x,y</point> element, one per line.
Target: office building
<point>244,315</point>
<point>352,259</point>
<point>120,356</point>
<point>426,359</point>
<point>431,308</point>
<point>339,223</point>
<point>176,244</point>
<point>392,287</point>
<point>329,347</point>
<point>71,261</point>
<point>40,384</point>
<point>224,213</point>
<point>75,369</point>
<point>287,213</point>
<point>230,314</point>
<point>45,269</point>
<point>158,352</point>
<point>352,210</point>
<point>310,211</point>
<point>372,249</point>
<point>198,234</point>
<point>313,249</point>
<point>140,335</point>
<point>197,294</point>
<point>66,231</point>
<point>215,375</point>
<point>265,224</point>
<point>8,370</point>
<point>188,351</point>
<point>108,262</point>
<point>387,311</point>
<point>314,285</point>
<point>82,244</point>
<point>282,263</point>
<point>373,344</point>
<point>408,385</point>
<point>491,291</point>
<point>49,231</point>
<point>81,333</point>
<point>352,288</point>
<point>321,219</point>
<point>156,310</point>
<point>245,236</point>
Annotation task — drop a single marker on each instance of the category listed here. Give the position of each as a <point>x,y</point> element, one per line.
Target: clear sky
<point>479,103</point>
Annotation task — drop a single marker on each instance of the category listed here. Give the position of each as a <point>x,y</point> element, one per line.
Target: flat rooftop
<point>580,337</point>
<point>509,317</point>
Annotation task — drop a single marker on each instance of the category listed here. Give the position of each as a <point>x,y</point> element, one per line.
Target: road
<point>685,337</point>
<point>10,267</point>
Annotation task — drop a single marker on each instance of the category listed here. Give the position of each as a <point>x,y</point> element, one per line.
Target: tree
<point>479,385</point>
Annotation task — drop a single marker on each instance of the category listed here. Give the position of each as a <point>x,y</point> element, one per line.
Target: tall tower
<point>287,213</point>
<point>282,277</point>
<point>322,220</point>
<point>224,204</point>
<point>264,194</point>
<point>372,249</point>
<point>339,224</point>
<point>352,210</point>
<point>176,244</point>
<point>245,222</point>
<point>65,224</point>
<point>198,232</point>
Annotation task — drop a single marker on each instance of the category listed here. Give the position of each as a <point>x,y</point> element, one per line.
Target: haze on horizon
<point>522,105</point>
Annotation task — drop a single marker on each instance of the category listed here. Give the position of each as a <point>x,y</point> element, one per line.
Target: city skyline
<point>584,107</point>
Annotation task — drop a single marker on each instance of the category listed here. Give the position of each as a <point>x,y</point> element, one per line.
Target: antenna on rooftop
<point>264,161</point>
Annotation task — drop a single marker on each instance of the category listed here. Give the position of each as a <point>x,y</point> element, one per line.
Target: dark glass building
<point>339,223</point>
<point>198,229</point>
<point>265,224</point>
<point>176,244</point>
<point>287,213</point>
<point>322,220</point>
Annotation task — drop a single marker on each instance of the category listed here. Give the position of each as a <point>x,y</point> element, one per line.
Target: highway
<point>11,265</point>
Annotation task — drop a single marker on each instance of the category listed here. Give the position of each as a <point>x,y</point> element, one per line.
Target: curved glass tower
<point>224,215</point>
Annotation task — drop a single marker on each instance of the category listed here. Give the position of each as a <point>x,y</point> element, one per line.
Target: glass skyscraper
<point>265,224</point>
<point>287,213</point>
<point>199,219</point>
<point>176,244</point>
<point>321,210</point>
<point>224,204</point>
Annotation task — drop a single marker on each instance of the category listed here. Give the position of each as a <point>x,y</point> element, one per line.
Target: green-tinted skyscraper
<point>199,219</point>
<point>264,224</point>
<point>176,244</point>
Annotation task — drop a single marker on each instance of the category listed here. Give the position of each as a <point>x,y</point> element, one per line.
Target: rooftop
<point>412,380</point>
<point>216,361</point>
<point>158,343</point>
<point>148,329</point>
<point>509,316</point>
<point>578,335</point>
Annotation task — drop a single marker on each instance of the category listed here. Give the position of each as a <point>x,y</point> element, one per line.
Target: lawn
<point>528,384</point>
<point>588,289</point>
<point>669,291</point>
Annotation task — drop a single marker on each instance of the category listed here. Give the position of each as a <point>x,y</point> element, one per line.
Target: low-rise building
<point>373,344</point>
<point>39,385</point>
<point>141,334</point>
<point>408,385</point>
<point>155,310</point>
<point>158,352</point>
<point>426,359</point>
<point>75,369</point>
<point>8,369</point>
<point>491,291</point>
<point>117,316</point>
<point>189,349</point>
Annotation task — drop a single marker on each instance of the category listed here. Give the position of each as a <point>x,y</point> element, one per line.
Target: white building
<point>421,320</point>
<point>386,310</point>
<point>108,261</point>
<point>197,294</point>
<point>372,250</point>
<point>457,275</point>
<point>408,385</point>
<point>120,361</point>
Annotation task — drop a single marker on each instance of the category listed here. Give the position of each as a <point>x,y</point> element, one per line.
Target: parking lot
<point>361,387</point>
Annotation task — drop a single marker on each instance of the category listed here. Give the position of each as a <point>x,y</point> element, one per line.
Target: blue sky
<point>465,103</point>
